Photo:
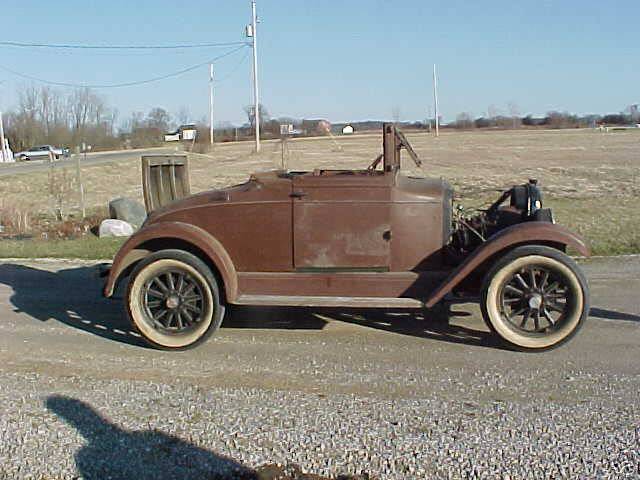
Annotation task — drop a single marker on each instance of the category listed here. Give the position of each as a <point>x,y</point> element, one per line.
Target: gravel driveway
<point>388,394</point>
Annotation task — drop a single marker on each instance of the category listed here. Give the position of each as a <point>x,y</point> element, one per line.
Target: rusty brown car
<point>374,238</point>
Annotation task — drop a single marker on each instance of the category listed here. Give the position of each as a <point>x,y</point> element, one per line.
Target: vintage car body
<point>369,238</point>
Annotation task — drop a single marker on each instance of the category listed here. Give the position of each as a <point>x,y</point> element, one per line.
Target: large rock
<point>128,210</point>
<point>115,228</point>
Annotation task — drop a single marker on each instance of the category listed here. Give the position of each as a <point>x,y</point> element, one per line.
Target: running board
<point>362,302</point>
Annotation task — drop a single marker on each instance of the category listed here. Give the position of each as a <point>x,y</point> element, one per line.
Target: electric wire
<point>235,69</point>
<point>123,84</point>
<point>118,47</point>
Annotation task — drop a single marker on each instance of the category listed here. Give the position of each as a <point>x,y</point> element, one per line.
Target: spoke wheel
<point>535,298</point>
<point>173,300</point>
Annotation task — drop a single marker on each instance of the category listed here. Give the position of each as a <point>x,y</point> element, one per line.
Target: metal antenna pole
<point>211,104</point>
<point>435,100</point>
<point>256,92</point>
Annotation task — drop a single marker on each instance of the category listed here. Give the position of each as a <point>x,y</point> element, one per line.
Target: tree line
<point>44,115</point>
<point>553,119</point>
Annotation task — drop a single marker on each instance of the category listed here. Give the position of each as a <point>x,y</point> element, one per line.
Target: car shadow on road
<point>606,314</point>
<point>112,452</point>
<point>71,296</point>
<point>434,324</point>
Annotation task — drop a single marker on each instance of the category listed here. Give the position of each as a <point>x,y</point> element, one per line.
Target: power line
<point>235,68</point>
<point>118,47</point>
<point>124,84</point>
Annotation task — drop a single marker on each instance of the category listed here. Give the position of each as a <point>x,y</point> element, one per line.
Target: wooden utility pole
<point>79,179</point>
<point>211,104</point>
<point>435,100</point>
<point>256,91</point>
<point>5,154</point>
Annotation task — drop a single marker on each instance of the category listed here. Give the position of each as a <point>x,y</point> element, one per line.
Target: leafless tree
<point>183,116</point>
<point>464,120</point>
<point>396,114</point>
<point>263,112</point>
<point>514,111</point>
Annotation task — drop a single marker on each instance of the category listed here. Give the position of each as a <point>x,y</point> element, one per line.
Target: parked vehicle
<point>42,153</point>
<point>374,238</point>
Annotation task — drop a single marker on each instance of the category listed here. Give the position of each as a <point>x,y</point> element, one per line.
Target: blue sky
<point>342,60</point>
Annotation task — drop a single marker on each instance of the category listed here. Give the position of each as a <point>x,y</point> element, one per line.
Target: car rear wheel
<point>173,300</point>
<point>535,298</point>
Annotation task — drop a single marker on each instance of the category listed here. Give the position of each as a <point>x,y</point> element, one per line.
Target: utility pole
<point>211,104</point>
<point>256,92</point>
<point>4,144</point>
<point>435,100</point>
<point>2,139</point>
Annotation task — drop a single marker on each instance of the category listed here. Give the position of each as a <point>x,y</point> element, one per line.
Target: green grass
<point>88,248</point>
<point>611,226</point>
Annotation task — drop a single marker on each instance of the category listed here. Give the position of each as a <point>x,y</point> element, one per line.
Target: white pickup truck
<point>42,152</point>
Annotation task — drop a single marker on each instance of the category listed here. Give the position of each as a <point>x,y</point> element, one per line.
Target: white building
<point>348,130</point>
<point>184,132</point>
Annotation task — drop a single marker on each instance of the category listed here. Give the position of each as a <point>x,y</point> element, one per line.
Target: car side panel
<point>252,221</point>
<point>338,224</point>
<point>417,224</point>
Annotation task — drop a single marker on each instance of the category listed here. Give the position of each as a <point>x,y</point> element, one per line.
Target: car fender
<point>134,250</point>
<point>529,233</point>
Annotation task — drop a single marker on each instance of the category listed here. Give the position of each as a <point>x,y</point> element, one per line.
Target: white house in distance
<point>348,130</point>
<point>184,132</point>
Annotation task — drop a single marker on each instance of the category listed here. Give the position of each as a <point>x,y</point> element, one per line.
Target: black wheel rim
<point>537,300</point>
<point>174,302</point>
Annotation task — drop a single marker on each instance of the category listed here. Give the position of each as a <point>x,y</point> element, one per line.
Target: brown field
<point>592,180</point>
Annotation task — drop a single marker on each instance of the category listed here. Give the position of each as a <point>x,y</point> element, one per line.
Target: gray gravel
<point>391,395</point>
<point>118,429</point>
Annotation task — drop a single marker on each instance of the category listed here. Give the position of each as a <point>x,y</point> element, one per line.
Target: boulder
<point>115,228</point>
<point>129,210</point>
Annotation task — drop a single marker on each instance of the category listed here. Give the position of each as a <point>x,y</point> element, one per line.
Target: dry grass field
<point>591,179</point>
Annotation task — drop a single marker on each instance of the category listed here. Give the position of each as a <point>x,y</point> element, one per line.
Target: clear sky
<point>341,60</point>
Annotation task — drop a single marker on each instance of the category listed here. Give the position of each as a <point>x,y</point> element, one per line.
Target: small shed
<point>348,130</point>
<point>184,132</point>
<point>187,132</point>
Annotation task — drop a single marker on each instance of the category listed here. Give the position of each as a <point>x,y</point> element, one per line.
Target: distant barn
<point>348,130</point>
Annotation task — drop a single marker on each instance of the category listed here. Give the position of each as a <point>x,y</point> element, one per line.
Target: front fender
<point>134,250</point>
<point>529,233</point>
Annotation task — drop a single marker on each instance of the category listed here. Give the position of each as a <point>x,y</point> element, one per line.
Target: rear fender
<point>530,233</point>
<point>134,250</point>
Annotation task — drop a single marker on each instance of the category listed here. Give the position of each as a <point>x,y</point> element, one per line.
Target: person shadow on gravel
<point>114,453</point>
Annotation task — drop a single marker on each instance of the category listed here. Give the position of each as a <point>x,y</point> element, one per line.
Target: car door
<point>341,221</point>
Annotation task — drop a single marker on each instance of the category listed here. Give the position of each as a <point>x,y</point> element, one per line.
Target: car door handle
<point>297,194</point>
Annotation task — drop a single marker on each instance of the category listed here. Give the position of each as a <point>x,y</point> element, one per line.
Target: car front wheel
<point>173,300</point>
<point>535,298</point>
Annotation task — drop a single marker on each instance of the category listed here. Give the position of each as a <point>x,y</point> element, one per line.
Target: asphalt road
<point>97,158</point>
<point>393,394</point>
